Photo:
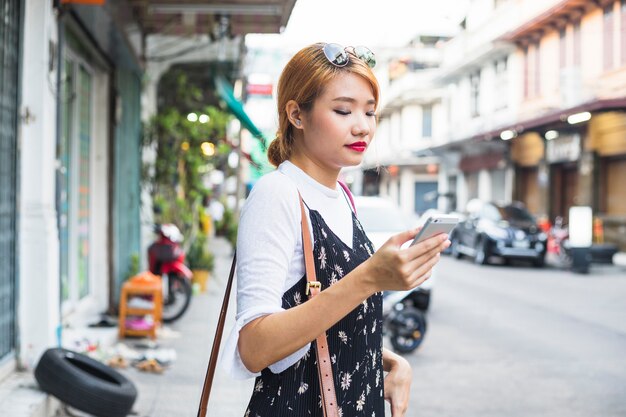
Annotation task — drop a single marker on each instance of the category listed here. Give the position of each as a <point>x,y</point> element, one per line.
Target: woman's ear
<point>293,114</point>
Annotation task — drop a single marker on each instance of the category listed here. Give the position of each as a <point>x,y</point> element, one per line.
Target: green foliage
<point>198,256</point>
<point>133,267</point>
<point>175,178</point>
<point>227,227</point>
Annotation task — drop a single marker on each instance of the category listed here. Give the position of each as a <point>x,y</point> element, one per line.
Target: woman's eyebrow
<point>353,100</point>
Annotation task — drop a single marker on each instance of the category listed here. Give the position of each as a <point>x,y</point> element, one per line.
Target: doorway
<point>74,179</point>
<point>563,189</point>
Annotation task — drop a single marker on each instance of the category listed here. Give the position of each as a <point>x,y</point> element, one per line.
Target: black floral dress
<point>355,342</point>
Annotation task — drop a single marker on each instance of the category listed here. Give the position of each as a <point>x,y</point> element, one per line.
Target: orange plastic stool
<point>145,284</point>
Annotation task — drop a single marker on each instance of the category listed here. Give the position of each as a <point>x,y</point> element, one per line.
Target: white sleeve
<point>268,235</point>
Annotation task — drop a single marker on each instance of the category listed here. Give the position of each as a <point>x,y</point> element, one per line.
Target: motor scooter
<point>167,259</point>
<point>404,318</point>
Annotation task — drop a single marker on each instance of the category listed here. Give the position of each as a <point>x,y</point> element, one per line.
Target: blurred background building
<point>525,101</point>
<point>77,80</point>
<point>518,100</point>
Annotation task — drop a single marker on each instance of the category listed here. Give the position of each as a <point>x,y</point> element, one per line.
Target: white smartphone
<point>436,225</point>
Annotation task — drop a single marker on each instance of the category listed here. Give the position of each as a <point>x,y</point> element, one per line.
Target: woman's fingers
<point>435,243</point>
<point>397,269</point>
<point>403,237</point>
<point>422,271</point>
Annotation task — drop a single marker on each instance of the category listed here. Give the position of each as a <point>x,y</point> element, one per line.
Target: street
<point>502,341</point>
<point>519,341</point>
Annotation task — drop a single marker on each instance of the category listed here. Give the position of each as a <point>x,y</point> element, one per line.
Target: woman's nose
<point>361,127</point>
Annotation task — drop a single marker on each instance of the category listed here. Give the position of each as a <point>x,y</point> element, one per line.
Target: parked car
<point>508,231</point>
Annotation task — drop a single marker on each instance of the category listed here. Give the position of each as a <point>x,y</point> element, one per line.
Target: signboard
<point>92,2</point>
<point>259,89</point>
<point>565,148</point>
<point>580,227</point>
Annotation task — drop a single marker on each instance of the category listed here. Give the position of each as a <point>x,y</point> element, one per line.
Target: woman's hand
<point>394,268</point>
<point>398,384</point>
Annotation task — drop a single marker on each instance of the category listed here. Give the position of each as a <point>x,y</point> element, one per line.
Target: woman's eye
<point>342,112</point>
<point>371,113</point>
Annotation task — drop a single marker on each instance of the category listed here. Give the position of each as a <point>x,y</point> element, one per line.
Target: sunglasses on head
<point>339,56</point>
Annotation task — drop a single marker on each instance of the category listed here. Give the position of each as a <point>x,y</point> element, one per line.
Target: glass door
<point>74,183</point>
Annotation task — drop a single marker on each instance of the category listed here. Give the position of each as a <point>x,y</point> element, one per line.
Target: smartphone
<point>436,225</point>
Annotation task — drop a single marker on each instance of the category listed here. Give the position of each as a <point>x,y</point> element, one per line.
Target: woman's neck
<point>322,174</point>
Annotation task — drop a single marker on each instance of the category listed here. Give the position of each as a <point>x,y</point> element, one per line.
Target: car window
<point>491,212</point>
<point>382,219</point>
<point>512,213</point>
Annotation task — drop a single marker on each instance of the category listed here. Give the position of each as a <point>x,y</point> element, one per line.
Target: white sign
<point>580,227</point>
<point>564,148</point>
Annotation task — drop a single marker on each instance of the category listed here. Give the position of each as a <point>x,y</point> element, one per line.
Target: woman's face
<point>341,124</point>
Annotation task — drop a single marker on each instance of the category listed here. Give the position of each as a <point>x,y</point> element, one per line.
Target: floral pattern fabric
<point>355,342</point>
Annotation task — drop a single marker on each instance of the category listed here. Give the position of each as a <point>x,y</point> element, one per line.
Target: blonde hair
<point>303,80</point>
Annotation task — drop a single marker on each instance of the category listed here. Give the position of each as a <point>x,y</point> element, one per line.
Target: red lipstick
<point>358,146</point>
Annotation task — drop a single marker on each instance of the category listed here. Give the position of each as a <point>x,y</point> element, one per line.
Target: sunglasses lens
<point>336,54</point>
<point>365,55</point>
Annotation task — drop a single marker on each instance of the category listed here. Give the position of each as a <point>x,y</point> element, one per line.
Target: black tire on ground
<point>85,384</point>
<point>180,292</point>
<point>407,339</point>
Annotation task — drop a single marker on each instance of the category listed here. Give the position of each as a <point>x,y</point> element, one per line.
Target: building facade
<point>410,118</point>
<point>73,215</point>
<point>73,135</point>
<point>569,145</point>
<point>533,109</point>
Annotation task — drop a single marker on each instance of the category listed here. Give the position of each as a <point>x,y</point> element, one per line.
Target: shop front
<point>608,141</point>
<point>530,185</point>
<point>485,175</point>
<point>562,156</point>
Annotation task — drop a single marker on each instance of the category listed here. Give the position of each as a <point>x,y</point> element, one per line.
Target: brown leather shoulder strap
<point>327,386</point>
<point>324,367</point>
<point>208,380</point>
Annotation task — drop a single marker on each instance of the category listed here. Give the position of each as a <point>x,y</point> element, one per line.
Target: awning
<point>544,122</point>
<point>225,92</point>
<point>201,17</point>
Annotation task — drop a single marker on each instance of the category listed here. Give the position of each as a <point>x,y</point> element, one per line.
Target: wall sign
<point>565,148</point>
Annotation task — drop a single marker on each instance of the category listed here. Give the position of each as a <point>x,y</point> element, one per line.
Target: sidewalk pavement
<point>176,392</point>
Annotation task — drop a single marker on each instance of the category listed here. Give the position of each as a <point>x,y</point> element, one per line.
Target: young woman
<point>327,98</point>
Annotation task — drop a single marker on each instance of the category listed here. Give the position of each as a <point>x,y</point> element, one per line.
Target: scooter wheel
<point>178,299</point>
<point>409,335</point>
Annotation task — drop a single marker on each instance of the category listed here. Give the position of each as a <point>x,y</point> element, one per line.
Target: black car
<point>507,231</point>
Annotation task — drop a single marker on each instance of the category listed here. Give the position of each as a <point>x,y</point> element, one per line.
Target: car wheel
<point>482,255</point>
<point>539,262</point>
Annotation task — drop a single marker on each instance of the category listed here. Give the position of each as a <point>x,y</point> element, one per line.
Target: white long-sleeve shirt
<point>269,250</point>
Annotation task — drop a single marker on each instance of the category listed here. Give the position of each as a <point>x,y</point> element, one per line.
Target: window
<point>608,37</point>
<point>526,66</point>
<point>427,121</point>
<point>577,43</point>
<point>623,30</point>
<point>475,94</point>
<point>501,84</point>
<point>562,48</point>
<point>75,185</point>
<point>537,69</point>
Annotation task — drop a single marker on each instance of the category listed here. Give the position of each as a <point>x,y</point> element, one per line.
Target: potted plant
<point>201,261</point>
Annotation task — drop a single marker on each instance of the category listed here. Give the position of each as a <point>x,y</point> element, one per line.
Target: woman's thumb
<point>403,237</point>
